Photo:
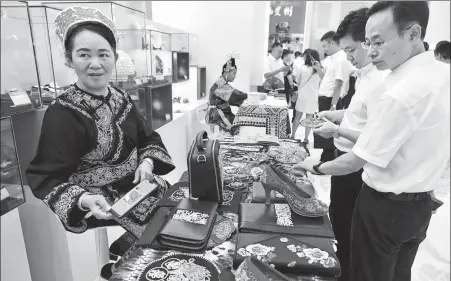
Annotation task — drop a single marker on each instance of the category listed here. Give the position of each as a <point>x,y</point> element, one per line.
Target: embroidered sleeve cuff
<point>369,158</point>
<point>162,161</point>
<point>63,201</point>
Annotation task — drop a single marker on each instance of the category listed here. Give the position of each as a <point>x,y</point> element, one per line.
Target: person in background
<point>346,188</point>
<point>222,96</point>
<point>403,149</point>
<point>94,145</point>
<point>298,61</point>
<point>288,76</point>
<point>333,83</point>
<point>309,79</point>
<point>275,70</point>
<point>442,51</point>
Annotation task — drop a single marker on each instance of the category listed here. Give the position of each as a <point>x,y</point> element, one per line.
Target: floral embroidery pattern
<point>283,214</point>
<point>175,269</point>
<point>100,176</point>
<point>155,152</point>
<point>61,200</point>
<point>261,252</point>
<point>191,217</point>
<point>244,273</point>
<point>313,255</point>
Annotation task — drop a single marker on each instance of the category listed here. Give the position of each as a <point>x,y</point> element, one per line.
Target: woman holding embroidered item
<point>94,145</point>
<point>222,96</point>
<point>308,80</point>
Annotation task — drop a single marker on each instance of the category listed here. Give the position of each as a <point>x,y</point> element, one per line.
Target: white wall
<point>439,21</point>
<point>222,27</point>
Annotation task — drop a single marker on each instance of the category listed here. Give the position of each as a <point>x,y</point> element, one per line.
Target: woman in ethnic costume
<point>94,145</point>
<point>222,96</point>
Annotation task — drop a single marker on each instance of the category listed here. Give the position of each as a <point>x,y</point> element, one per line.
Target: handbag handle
<point>201,136</point>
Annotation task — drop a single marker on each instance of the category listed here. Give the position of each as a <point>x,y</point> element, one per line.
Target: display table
<point>138,257</point>
<point>270,117</point>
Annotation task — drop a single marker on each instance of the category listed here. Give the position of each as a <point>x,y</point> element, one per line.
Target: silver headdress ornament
<point>229,66</point>
<point>71,17</point>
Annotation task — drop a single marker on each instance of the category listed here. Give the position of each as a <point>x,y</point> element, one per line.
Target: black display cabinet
<point>180,66</point>
<point>201,82</point>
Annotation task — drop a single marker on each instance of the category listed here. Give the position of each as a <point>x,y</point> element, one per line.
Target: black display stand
<point>201,82</point>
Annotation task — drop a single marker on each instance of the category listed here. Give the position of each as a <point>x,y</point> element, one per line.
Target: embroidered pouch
<point>189,226</point>
<point>231,199</point>
<point>278,218</point>
<point>289,253</point>
<point>180,267</point>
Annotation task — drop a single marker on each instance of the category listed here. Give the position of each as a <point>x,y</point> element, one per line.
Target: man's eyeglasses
<point>379,44</point>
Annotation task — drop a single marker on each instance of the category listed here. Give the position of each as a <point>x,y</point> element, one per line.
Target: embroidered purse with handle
<point>204,169</point>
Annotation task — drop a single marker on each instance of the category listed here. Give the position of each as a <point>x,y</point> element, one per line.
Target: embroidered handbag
<point>289,253</point>
<point>205,169</point>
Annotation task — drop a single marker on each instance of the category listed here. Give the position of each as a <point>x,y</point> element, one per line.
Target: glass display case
<point>159,44</point>
<point>193,50</point>
<point>180,42</point>
<point>20,84</point>
<point>55,76</point>
<point>12,193</point>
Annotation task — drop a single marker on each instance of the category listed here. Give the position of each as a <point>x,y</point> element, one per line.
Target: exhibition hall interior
<point>225,140</point>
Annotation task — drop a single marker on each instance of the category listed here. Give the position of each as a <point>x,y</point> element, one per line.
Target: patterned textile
<point>242,158</point>
<point>94,144</point>
<point>274,119</point>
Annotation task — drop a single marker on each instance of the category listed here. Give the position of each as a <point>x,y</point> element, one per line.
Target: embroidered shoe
<point>251,269</point>
<point>299,199</point>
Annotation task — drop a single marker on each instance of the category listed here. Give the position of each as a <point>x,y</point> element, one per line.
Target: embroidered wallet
<point>189,226</point>
<point>278,218</point>
<point>302,255</point>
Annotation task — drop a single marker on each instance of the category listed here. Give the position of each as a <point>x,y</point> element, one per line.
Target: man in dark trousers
<point>403,148</point>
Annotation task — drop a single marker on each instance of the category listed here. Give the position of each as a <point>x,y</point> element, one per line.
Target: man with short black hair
<point>332,85</point>
<point>275,69</point>
<point>346,188</point>
<point>403,149</point>
<point>442,51</point>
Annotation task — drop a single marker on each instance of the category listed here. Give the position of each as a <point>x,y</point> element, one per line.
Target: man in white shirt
<point>403,148</point>
<point>346,188</point>
<point>298,62</point>
<point>332,85</point>
<point>275,68</point>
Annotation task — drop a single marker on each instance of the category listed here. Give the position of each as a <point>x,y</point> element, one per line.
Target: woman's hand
<point>97,205</point>
<point>263,96</point>
<point>144,172</point>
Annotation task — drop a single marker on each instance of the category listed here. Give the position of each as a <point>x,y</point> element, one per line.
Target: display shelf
<point>20,83</point>
<point>12,193</point>
<point>180,66</point>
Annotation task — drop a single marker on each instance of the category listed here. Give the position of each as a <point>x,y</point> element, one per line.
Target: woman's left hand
<point>144,172</point>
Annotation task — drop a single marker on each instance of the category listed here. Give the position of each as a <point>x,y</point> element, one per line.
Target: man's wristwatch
<point>316,168</point>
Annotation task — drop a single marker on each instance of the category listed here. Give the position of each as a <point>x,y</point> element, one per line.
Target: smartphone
<point>132,198</point>
<point>436,204</point>
<point>311,58</point>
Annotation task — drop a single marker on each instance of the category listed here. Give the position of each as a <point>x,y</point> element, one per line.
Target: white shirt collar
<point>337,54</point>
<point>416,61</point>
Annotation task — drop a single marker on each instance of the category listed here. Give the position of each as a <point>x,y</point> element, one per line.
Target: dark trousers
<point>343,195</point>
<point>386,234</point>
<point>327,145</point>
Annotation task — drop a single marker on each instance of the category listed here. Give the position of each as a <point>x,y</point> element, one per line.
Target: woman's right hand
<point>97,205</point>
